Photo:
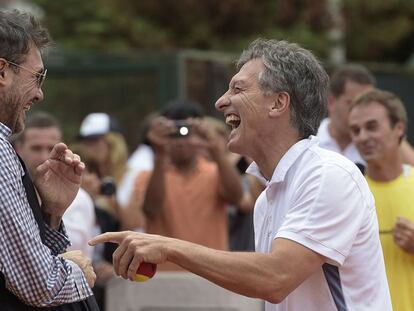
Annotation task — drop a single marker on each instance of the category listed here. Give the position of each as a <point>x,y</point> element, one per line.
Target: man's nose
<point>39,95</point>
<point>363,135</point>
<point>44,155</point>
<point>222,102</point>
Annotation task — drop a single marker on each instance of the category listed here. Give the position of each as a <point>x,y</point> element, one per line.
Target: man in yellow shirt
<point>378,125</point>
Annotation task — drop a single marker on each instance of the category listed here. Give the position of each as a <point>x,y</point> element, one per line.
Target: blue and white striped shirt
<point>33,271</point>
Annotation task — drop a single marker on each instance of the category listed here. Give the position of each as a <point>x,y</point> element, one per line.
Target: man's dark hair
<point>181,109</point>
<point>352,73</point>
<point>40,120</point>
<point>18,31</point>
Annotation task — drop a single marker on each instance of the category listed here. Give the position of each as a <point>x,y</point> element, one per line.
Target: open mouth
<point>27,108</point>
<point>233,121</point>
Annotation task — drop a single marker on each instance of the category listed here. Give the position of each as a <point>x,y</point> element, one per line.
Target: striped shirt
<point>33,271</point>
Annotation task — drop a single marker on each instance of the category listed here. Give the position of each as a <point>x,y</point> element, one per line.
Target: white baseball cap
<point>97,124</point>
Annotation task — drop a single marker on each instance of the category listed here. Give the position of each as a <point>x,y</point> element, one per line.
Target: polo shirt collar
<point>287,161</point>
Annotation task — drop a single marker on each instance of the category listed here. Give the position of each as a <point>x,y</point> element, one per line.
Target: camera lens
<point>183,131</point>
<point>108,187</point>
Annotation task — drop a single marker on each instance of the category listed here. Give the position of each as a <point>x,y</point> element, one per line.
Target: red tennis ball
<point>145,272</point>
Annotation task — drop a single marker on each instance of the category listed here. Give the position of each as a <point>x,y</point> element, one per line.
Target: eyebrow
<point>239,82</point>
<point>369,122</point>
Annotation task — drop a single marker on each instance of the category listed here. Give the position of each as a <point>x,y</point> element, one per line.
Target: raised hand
<point>208,137</point>
<point>58,179</point>
<point>159,134</point>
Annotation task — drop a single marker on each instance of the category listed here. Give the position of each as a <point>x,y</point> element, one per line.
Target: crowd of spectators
<point>182,182</point>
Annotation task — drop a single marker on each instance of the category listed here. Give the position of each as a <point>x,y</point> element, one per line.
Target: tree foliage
<point>375,30</point>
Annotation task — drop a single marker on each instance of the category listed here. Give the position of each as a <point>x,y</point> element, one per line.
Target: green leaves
<point>374,30</point>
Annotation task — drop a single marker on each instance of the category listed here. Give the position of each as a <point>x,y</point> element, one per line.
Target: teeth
<point>233,120</point>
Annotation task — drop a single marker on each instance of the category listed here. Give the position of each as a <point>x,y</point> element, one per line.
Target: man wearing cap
<point>100,136</point>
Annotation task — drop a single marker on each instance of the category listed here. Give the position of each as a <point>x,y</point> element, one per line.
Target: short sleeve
<point>327,212</point>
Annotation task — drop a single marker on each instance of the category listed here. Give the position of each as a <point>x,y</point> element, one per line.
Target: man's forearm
<point>230,180</point>
<point>246,273</point>
<point>269,276</point>
<point>154,196</point>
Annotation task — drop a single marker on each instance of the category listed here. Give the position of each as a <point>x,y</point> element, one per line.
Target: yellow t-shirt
<point>393,199</point>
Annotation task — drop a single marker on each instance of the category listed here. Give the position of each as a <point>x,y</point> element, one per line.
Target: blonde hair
<point>118,155</point>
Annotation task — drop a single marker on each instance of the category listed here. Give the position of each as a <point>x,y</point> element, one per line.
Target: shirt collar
<point>324,136</point>
<point>287,161</point>
<point>5,132</point>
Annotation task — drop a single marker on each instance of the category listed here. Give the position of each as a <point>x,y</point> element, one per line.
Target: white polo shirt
<point>319,199</point>
<point>328,142</point>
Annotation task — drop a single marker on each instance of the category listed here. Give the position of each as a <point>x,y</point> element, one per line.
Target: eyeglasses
<point>40,76</point>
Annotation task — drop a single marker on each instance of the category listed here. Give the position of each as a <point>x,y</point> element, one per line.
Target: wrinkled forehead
<point>250,72</point>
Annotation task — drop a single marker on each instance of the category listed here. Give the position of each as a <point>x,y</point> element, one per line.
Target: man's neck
<point>186,167</point>
<point>343,140</point>
<point>269,157</point>
<point>385,170</point>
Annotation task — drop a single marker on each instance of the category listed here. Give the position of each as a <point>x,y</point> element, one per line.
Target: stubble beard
<point>12,111</point>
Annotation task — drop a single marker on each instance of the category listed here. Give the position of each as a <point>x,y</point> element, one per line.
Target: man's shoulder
<point>322,157</point>
<point>9,162</point>
<point>317,161</point>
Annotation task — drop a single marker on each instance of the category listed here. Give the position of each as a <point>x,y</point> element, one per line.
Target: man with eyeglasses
<point>40,75</point>
<point>35,273</point>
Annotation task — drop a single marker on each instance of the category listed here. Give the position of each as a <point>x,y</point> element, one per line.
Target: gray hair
<point>18,30</point>
<point>292,69</point>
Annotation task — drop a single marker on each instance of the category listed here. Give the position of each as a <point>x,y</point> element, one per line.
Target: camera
<point>108,187</point>
<point>183,129</point>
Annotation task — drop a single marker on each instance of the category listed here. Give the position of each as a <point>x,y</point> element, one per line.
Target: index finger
<point>114,237</point>
<point>58,151</point>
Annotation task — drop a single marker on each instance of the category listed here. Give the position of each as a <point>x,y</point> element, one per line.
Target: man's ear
<point>280,104</point>
<point>3,71</point>
<point>400,127</point>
